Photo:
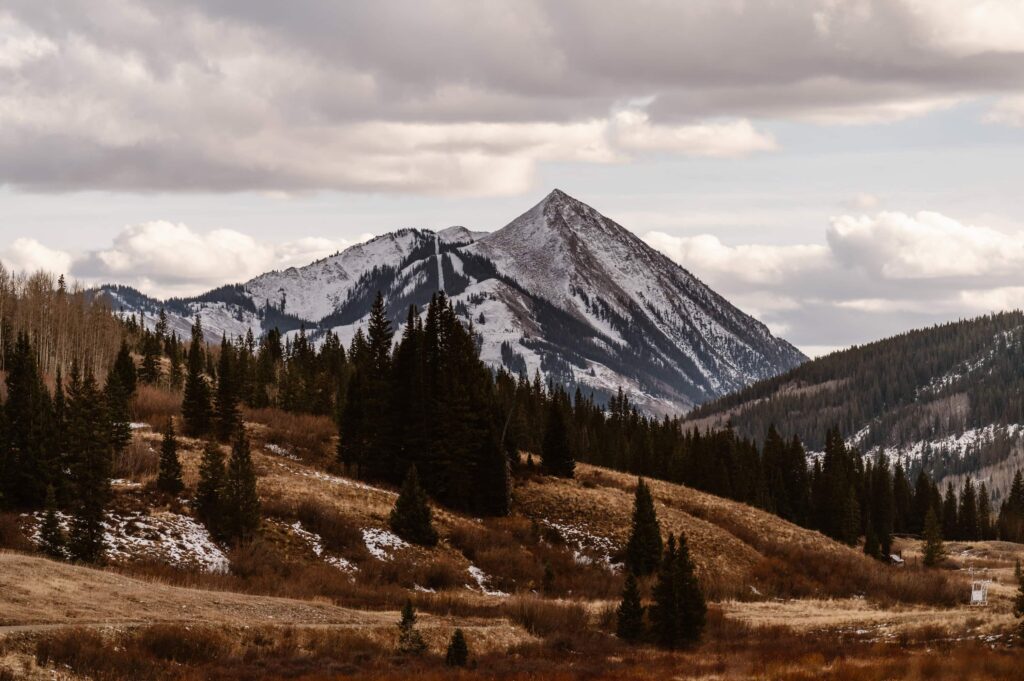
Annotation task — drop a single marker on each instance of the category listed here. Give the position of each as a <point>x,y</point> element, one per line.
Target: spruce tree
<point>984,514</point>
<point>240,502</point>
<point>168,479</point>
<point>934,551</point>
<point>950,521</point>
<point>195,405</point>
<point>690,604</point>
<point>967,516</point>
<point>630,615</point>
<point>665,611</point>
<point>458,650</point>
<point>556,456</point>
<point>52,541</point>
<point>121,382</point>
<point>871,546</point>
<point>643,550</point>
<point>91,454</point>
<point>411,518</point>
<point>210,488</point>
<point>31,462</point>
<point>410,642</point>
<point>226,402</point>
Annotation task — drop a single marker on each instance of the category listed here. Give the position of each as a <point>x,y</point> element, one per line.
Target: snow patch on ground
<point>587,548</point>
<point>333,479</point>
<point>482,582</point>
<point>166,537</point>
<point>278,450</point>
<point>380,543</point>
<point>316,545</point>
<point>957,445</point>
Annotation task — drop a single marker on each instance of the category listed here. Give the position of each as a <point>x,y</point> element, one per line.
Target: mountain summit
<point>561,290</point>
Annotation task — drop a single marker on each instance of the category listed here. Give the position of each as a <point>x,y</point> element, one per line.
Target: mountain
<point>947,399</point>
<point>562,290</point>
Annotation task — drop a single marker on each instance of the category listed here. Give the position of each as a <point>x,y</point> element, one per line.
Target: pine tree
<point>410,642</point>
<point>643,550</point>
<point>984,514</point>
<point>240,503</point>
<point>556,456</point>
<point>209,490</point>
<point>690,604</point>
<point>967,516</point>
<point>168,479</point>
<point>52,541</point>
<point>950,521</point>
<point>195,405</point>
<point>1018,601</point>
<point>665,612</point>
<point>226,402</point>
<point>934,551</point>
<point>411,518</point>
<point>458,650</point>
<point>630,615</point>
<point>31,462</point>
<point>121,382</point>
<point>871,546</point>
<point>91,455</point>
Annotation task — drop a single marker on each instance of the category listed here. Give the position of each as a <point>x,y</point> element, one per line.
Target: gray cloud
<point>450,97</point>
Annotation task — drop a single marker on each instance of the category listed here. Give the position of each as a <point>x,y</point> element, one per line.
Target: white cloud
<point>751,263</point>
<point>1008,111</point>
<point>28,255</point>
<point>922,246</point>
<point>632,130</point>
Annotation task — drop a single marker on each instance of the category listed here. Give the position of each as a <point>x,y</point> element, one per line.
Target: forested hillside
<point>948,398</point>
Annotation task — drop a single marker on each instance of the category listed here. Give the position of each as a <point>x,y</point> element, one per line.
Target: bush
<point>543,617</point>
<point>154,405</point>
<point>138,460</point>
<point>312,435</point>
<point>11,536</point>
<point>181,644</point>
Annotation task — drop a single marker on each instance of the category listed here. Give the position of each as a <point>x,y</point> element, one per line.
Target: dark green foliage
<point>458,651</point>
<point>556,456</point>
<point>968,525</point>
<point>1011,514</point>
<point>121,382</point>
<point>410,642</point>
<point>1018,600</point>
<point>630,615</point>
<point>934,550</point>
<point>31,461</point>
<point>195,405</point>
<point>950,521</point>
<point>871,546</point>
<point>226,414</point>
<point>985,528</point>
<point>239,502</point>
<point>411,518</point>
<point>643,550</point>
<point>168,478</point>
<point>52,541</point>
<point>90,454</point>
<point>680,612</point>
<point>209,490</point>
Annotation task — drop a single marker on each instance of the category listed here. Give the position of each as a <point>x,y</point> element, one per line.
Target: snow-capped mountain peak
<point>561,290</point>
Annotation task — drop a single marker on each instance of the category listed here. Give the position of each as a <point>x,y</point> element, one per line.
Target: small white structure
<point>979,588</point>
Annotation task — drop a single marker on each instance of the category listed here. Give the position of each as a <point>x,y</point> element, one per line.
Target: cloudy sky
<point>843,169</point>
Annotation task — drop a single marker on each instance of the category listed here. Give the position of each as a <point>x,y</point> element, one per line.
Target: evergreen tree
<point>871,546</point>
<point>91,454</point>
<point>984,514</point>
<point>556,456</point>
<point>643,550</point>
<point>410,642</point>
<point>226,402</point>
<point>195,405</point>
<point>630,615</point>
<point>209,490</point>
<point>1018,602</point>
<point>168,478</point>
<point>30,462</point>
<point>458,650</point>
<point>967,516</point>
<point>121,382</point>
<point>690,604</point>
<point>664,613</point>
<point>934,551</point>
<point>950,521</point>
<point>240,503</point>
<point>411,518</point>
<point>52,541</point>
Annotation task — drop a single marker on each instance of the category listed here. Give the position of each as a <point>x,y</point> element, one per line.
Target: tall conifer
<point>168,478</point>
<point>195,405</point>
<point>240,502</point>
<point>643,550</point>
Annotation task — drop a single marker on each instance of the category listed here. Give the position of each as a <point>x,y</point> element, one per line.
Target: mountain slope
<point>561,290</point>
<point>948,398</point>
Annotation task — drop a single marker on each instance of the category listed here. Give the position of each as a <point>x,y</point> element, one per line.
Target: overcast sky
<point>842,169</point>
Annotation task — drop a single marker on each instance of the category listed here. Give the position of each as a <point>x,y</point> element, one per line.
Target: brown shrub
<point>311,435</point>
<point>181,644</point>
<point>11,535</point>
<point>138,460</point>
<point>155,405</point>
<point>542,617</point>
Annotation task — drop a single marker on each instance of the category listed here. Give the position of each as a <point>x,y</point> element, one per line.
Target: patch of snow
<point>380,543</point>
<point>138,425</point>
<point>482,581</point>
<point>423,589</point>
<point>587,548</point>
<point>278,450</point>
<point>316,545</point>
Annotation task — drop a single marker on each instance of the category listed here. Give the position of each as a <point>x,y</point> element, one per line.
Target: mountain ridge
<point>561,290</point>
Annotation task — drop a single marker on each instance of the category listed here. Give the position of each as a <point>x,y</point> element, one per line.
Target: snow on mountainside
<point>561,290</point>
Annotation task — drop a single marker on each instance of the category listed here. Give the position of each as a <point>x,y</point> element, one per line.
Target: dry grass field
<point>317,595</point>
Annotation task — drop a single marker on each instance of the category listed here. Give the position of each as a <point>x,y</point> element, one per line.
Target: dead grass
<point>155,405</point>
<point>310,437</point>
<point>139,461</point>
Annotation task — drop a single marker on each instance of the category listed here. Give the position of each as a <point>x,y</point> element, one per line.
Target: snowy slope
<point>561,290</point>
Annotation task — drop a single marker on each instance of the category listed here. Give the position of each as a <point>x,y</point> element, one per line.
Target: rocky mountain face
<point>561,290</point>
